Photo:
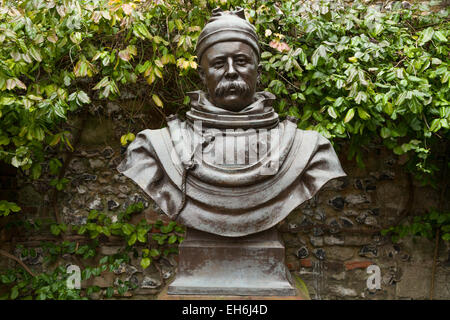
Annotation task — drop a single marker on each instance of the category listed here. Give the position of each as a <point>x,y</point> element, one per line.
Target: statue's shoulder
<point>149,134</point>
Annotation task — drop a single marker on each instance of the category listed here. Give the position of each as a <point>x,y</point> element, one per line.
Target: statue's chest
<point>233,148</point>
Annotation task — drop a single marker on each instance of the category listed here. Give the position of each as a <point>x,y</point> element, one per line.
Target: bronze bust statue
<point>232,168</point>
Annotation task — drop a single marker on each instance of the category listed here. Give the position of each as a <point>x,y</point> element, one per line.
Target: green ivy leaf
<point>132,239</point>
<point>172,239</point>
<point>14,292</point>
<point>109,292</point>
<point>145,262</point>
<point>54,228</point>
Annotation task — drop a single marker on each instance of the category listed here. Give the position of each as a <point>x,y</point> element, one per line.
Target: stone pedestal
<point>215,265</point>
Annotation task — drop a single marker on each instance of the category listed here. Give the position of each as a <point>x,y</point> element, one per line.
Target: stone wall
<point>333,238</point>
<point>330,240</point>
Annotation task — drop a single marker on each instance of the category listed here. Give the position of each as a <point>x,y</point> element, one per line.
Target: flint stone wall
<point>330,240</point>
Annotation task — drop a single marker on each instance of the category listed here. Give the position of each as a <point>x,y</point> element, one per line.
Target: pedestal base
<point>163,295</point>
<point>246,266</point>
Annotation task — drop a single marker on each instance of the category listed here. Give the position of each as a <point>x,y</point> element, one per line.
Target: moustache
<point>225,86</point>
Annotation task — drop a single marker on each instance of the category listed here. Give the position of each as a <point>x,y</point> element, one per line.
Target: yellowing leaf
<point>194,29</point>
<point>106,15</point>
<point>165,59</point>
<point>55,140</point>
<point>148,71</point>
<point>332,112</point>
<point>157,100</point>
<point>35,54</point>
<point>127,8</point>
<point>179,24</point>
<point>124,55</point>
<point>127,137</point>
<point>159,63</point>
<point>151,78</point>
<point>193,64</point>
<point>53,38</point>
<point>158,73</point>
<point>20,84</point>
<point>349,116</point>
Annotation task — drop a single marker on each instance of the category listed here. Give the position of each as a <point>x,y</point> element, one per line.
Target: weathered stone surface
<point>303,252</point>
<point>357,200</point>
<point>320,215</point>
<point>307,212</point>
<point>81,189</point>
<point>29,196</point>
<point>291,240</point>
<point>369,251</point>
<point>124,189</point>
<point>442,284</point>
<point>77,165</point>
<point>335,184</point>
<point>333,240</point>
<point>351,213</point>
<point>361,218</point>
<point>316,241</point>
<point>391,195</point>
<point>423,249</point>
<point>358,184</point>
<point>319,253</point>
<point>371,221</point>
<point>343,292</point>
<point>76,217</point>
<point>356,240</point>
<point>340,253</point>
<point>107,153</point>
<point>338,276</point>
<point>96,204</point>
<point>109,250</point>
<point>383,175</point>
<point>112,205</point>
<point>120,178</point>
<point>126,268</point>
<point>167,269</point>
<point>415,283</point>
<point>150,282</point>
<point>365,184</point>
<point>346,222</point>
<point>89,177</point>
<point>317,232</point>
<point>96,163</point>
<point>103,281</point>
<point>337,203</point>
<point>334,225</point>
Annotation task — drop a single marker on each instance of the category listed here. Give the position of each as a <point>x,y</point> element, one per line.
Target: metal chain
<point>189,165</point>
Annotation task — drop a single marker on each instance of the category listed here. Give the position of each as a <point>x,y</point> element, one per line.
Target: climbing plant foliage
<point>351,72</point>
